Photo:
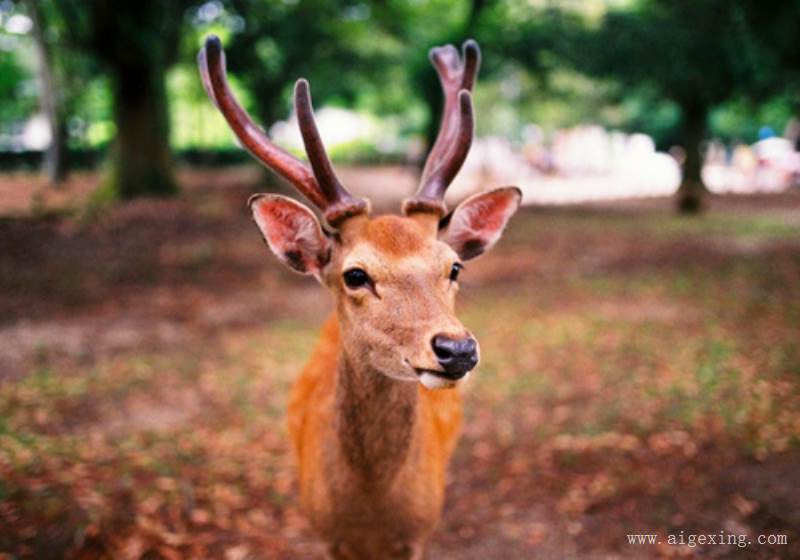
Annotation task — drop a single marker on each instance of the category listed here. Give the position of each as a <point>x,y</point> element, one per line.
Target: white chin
<point>433,382</point>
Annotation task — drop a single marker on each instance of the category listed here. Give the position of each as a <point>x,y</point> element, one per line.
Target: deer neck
<point>376,421</point>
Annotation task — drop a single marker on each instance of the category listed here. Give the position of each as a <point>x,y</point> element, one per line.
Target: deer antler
<point>319,184</point>
<point>457,76</point>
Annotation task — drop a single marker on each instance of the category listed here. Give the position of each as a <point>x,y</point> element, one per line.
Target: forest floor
<point>640,374</point>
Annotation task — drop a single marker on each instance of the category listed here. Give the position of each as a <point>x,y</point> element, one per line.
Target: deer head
<point>394,278</point>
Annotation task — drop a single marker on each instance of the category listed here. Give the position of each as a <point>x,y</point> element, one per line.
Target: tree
<point>687,50</point>
<point>18,104</point>
<point>135,42</point>
<point>771,31</point>
<point>63,73</point>
<point>51,96</point>
<point>335,43</point>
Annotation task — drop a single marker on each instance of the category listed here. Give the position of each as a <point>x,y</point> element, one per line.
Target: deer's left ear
<point>477,223</point>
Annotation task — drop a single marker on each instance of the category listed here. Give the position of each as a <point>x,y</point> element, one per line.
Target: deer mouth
<point>439,379</point>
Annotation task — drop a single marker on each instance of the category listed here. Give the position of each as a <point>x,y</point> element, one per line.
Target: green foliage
<point>631,65</point>
<point>771,48</point>
<point>740,119</point>
<point>15,81</point>
<point>195,122</point>
<point>76,74</point>
<point>687,49</point>
<point>333,43</point>
<point>17,78</point>
<point>91,119</point>
<point>653,62</point>
<point>360,152</point>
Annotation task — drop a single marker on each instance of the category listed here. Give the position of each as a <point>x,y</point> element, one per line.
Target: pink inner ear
<point>478,222</point>
<point>292,232</point>
<point>491,213</point>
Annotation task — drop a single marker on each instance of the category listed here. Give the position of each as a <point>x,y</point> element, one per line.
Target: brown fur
<point>372,450</point>
<point>394,235</point>
<point>372,443</point>
<point>372,455</point>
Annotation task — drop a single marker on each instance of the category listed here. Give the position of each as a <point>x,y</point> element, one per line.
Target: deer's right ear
<point>292,231</point>
<point>477,223</point>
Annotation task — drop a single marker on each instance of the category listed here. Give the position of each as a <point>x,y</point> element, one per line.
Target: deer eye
<point>356,278</point>
<point>457,267</point>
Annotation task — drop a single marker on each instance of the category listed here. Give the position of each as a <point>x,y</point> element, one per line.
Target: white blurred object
<point>773,148</point>
<point>492,162</point>
<point>336,126</point>
<point>581,164</point>
<point>19,24</point>
<point>36,133</point>
<point>778,163</point>
<point>583,149</point>
<point>588,163</point>
<point>645,172</point>
<point>584,163</point>
<point>770,165</point>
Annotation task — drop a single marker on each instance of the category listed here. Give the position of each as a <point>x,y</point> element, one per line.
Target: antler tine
<point>457,77</point>
<point>320,186</point>
<point>430,196</point>
<point>471,53</point>
<point>454,74</point>
<point>340,204</point>
<point>215,80</point>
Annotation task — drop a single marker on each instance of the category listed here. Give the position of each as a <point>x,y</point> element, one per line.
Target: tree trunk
<point>142,163</point>
<point>55,157</point>
<point>691,194</point>
<point>136,41</point>
<point>793,127</point>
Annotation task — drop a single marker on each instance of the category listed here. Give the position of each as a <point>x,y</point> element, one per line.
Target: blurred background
<point>641,363</point>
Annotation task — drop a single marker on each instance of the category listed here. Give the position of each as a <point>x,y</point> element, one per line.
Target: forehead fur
<point>394,235</point>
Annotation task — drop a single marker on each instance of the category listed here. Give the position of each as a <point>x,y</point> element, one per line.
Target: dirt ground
<point>640,374</point>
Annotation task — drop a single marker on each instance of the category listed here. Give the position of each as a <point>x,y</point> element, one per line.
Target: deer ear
<point>477,223</point>
<point>292,231</point>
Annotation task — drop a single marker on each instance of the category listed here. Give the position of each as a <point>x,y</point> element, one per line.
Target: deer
<point>375,414</point>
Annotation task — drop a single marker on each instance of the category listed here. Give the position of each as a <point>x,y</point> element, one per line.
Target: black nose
<point>457,356</point>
